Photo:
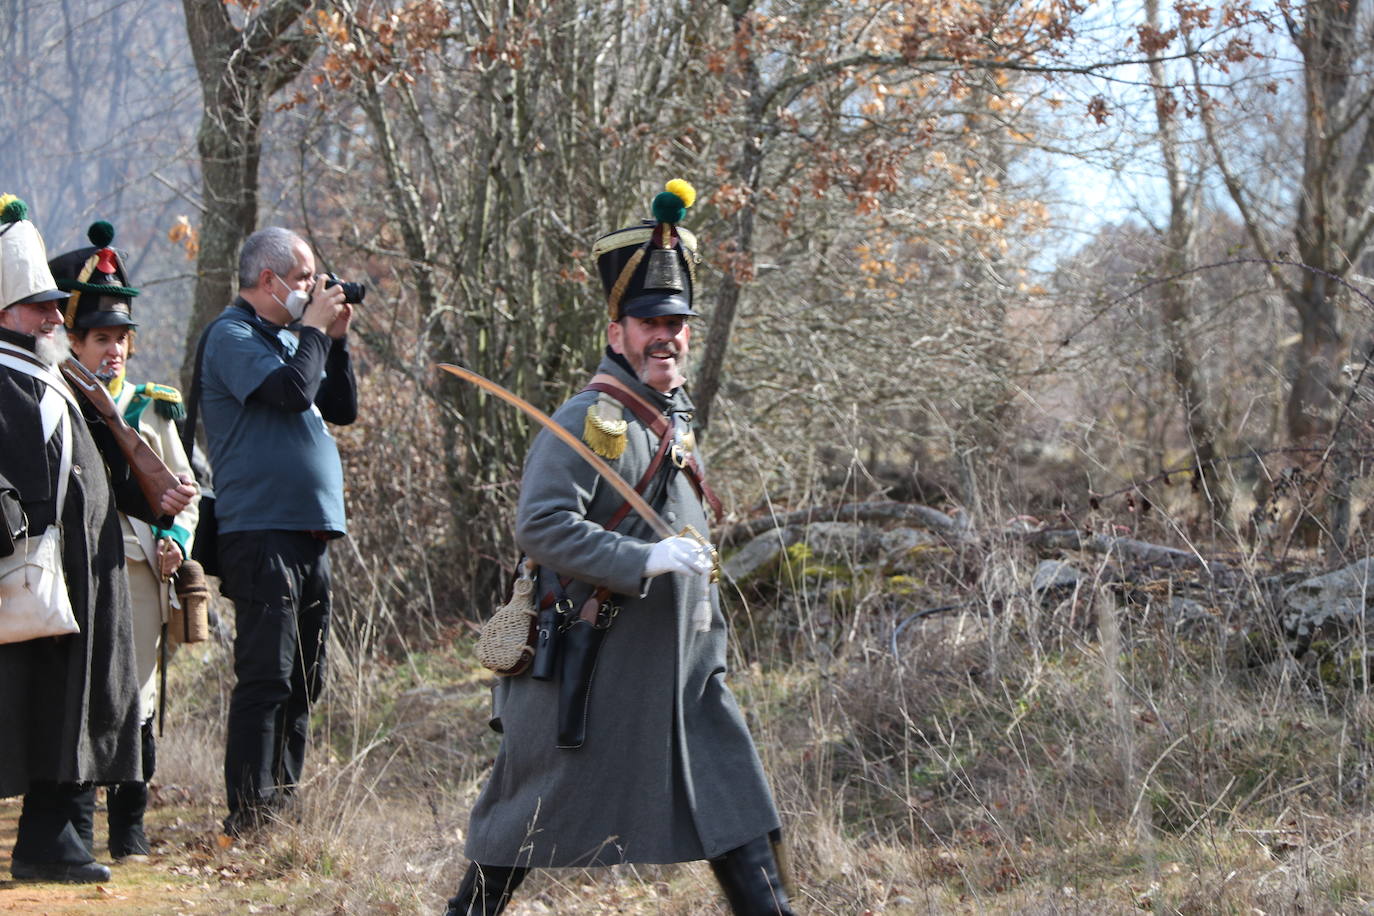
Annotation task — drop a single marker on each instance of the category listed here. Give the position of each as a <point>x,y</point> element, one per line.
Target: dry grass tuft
<point>1066,753</point>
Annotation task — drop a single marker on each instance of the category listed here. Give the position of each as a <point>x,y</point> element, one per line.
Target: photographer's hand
<point>325,307</point>
<point>339,329</point>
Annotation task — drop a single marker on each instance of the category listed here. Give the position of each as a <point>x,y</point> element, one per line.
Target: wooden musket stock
<point>154,479</point>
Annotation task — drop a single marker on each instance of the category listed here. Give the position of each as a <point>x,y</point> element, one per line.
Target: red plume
<point>106,262</point>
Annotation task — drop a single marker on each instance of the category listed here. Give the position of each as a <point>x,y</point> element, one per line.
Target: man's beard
<point>646,359</point>
<point>52,350</point>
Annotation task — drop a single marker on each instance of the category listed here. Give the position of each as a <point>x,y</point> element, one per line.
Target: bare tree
<point>1184,185</point>
<point>1332,218</point>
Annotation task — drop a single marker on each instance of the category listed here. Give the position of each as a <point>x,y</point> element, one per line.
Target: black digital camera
<point>353,292</point>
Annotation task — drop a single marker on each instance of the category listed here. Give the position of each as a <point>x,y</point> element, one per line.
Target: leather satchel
<point>33,587</point>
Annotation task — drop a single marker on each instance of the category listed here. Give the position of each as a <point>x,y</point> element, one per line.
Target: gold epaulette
<point>160,392</point>
<point>605,427</point>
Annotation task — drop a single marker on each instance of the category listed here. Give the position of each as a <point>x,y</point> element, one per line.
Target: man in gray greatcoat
<point>656,764</point>
<point>68,704</point>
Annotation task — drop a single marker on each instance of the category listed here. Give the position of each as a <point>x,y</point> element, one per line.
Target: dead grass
<point>1073,756</point>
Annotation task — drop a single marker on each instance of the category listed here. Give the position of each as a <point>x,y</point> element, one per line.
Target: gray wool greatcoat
<point>69,704</point>
<point>668,772</point>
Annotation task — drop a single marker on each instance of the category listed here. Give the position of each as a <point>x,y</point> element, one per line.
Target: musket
<point>153,476</point>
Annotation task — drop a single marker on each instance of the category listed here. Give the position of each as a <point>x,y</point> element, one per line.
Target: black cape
<point>69,704</point>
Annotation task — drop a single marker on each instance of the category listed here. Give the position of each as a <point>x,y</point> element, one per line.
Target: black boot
<point>752,880</point>
<point>127,802</point>
<point>48,845</point>
<point>81,814</point>
<point>485,891</point>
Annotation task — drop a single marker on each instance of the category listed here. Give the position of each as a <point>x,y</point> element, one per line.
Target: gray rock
<point>1054,576</point>
<point>761,552</point>
<point>841,541</point>
<point>905,540</point>
<point>1334,600</point>
<point>1187,617</point>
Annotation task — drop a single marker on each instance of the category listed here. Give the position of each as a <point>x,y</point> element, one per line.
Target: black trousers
<point>279,583</point>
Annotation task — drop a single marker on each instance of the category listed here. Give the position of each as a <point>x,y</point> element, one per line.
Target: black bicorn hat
<point>650,269</point>
<point>100,293</point>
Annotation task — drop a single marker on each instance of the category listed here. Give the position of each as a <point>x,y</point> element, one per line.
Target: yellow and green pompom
<point>670,205</point>
<point>12,209</point>
<point>682,189</point>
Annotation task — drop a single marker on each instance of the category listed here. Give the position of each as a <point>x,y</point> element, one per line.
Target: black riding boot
<point>752,880</point>
<point>485,891</point>
<point>48,845</point>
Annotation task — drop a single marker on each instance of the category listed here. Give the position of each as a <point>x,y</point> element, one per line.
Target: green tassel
<point>669,208</point>
<point>172,410</point>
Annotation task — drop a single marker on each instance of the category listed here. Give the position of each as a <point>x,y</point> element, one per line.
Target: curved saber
<point>621,485</point>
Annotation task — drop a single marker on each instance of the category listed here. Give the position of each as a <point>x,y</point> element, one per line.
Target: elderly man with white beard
<point>68,704</point>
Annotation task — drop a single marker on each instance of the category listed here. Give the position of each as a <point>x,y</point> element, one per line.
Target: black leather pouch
<point>11,520</point>
<point>547,644</point>
<point>581,644</point>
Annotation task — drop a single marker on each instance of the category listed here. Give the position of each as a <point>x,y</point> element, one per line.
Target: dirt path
<point>188,873</point>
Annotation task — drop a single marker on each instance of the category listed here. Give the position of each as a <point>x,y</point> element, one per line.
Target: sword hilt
<point>689,531</point>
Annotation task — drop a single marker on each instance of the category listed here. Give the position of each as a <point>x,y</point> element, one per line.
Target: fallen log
<point>953,526</point>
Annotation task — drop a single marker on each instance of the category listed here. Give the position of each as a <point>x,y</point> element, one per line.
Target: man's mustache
<point>662,349</point>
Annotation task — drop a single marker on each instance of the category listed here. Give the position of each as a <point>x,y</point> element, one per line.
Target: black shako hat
<point>95,278</point>
<point>649,270</point>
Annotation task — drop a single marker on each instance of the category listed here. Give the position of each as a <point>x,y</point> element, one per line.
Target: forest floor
<point>1080,756</point>
<point>190,871</point>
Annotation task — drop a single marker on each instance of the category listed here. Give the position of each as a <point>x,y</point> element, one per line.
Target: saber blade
<point>621,485</point>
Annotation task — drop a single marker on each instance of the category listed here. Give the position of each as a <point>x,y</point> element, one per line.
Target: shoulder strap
<point>646,412</point>
<point>656,421</point>
<point>188,430</point>
<point>64,466</point>
<point>21,360</point>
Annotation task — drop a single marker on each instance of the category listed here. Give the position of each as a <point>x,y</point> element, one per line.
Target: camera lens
<point>353,292</point>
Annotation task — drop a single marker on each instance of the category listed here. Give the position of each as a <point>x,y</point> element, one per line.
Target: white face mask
<point>295,303</point>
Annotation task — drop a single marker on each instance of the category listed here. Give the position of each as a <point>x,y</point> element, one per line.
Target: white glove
<point>677,555</point>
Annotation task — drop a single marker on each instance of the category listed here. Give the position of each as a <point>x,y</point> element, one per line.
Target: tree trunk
<point>239,69</point>
<point>747,174</point>
<point>1174,300</point>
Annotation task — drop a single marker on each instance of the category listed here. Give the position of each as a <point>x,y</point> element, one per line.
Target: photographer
<point>267,392</point>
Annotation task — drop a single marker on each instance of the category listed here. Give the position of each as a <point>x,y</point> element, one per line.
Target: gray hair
<point>271,249</point>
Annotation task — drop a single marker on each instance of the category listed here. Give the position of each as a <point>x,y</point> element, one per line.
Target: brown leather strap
<point>656,421</point>
<point>647,413</point>
<point>601,594</point>
<point>619,515</point>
